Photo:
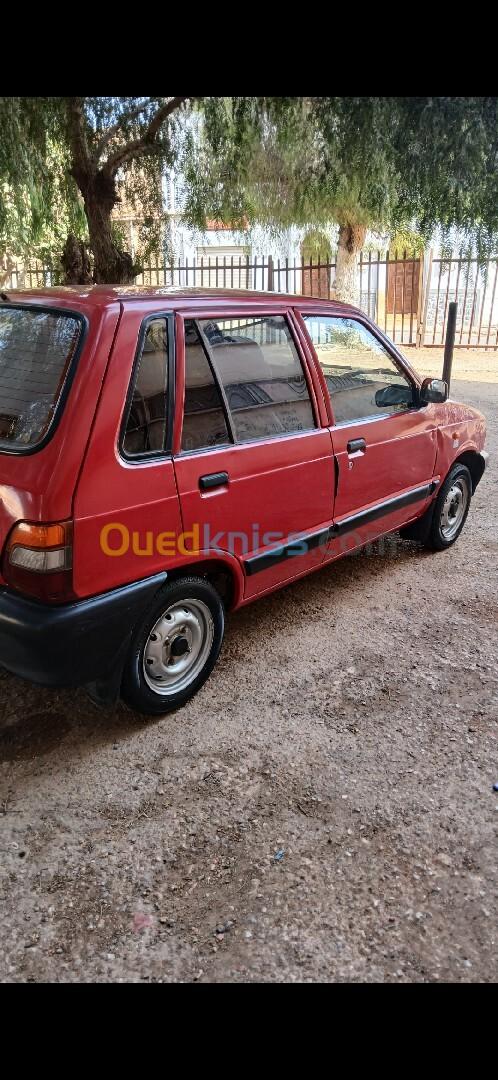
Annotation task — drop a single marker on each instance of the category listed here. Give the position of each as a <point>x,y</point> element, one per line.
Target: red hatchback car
<point>168,454</point>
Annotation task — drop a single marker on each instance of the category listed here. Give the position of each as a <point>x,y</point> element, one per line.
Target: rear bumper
<point>74,644</point>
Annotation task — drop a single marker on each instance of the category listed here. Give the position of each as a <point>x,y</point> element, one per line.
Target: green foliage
<point>383,162</point>
<point>39,202</point>
<point>406,240</point>
<point>316,245</point>
<point>450,173</point>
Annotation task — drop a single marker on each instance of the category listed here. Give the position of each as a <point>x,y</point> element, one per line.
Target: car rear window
<point>36,349</point>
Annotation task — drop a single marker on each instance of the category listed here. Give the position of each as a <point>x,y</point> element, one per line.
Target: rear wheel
<point>175,647</point>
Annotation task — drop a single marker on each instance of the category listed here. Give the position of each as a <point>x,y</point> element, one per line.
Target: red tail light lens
<point>38,560</point>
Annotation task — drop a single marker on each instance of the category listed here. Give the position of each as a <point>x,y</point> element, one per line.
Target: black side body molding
<point>257,563</point>
<point>383,508</point>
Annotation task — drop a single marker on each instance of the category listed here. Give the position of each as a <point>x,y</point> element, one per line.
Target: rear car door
<point>126,495</point>
<point>255,464</point>
<point>384,444</point>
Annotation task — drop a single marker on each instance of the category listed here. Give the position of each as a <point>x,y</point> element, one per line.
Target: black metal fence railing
<point>407,297</point>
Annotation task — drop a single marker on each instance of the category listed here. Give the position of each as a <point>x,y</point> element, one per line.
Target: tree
<point>361,162</point>
<point>106,136</point>
<point>97,143</point>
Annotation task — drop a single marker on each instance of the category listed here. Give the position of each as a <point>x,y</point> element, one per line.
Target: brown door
<point>316,281</point>
<point>403,283</point>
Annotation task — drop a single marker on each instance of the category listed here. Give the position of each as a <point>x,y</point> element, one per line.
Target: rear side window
<point>258,365</point>
<point>146,422</point>
<point>36,349</point>
<point>204,423</point>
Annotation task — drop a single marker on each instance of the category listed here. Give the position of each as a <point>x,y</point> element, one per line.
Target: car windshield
<point>36,348</point>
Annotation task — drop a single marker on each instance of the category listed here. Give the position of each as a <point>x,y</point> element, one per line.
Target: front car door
<point>255,464</point>
<point>384,444</point>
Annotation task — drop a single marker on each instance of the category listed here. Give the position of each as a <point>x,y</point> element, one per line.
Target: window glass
<point>146,425</point>
<point>259,367</point>
<point>204,421</point>
<point>36,348</point>
<point>362,378</point>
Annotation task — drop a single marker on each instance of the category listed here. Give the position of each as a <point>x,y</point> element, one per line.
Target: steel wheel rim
<point>454,508</point>
<point>188,621</point>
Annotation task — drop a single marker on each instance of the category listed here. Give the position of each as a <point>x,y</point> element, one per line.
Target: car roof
<point>98,296</point>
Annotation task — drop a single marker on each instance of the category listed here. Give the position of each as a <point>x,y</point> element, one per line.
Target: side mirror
<point>394,394</point>
<point>433,391</point>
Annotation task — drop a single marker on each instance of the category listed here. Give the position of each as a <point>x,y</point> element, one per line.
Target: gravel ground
<point>323,810</point>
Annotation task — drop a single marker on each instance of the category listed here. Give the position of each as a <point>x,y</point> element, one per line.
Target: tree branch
<point>77,137</point>
<point>146,141</point>
<point>125,118</point>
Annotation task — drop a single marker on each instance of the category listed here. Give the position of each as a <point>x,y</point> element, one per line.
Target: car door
<point>384,444</point>
<point>255,464</point>
<point>126,494</point>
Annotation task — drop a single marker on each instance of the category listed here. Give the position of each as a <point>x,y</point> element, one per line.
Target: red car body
<point>309,483</point>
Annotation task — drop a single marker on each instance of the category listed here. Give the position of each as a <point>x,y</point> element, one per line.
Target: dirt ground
<point>324,808</point>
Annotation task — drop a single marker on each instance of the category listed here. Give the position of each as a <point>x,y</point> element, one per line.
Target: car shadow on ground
<point>35,720</point>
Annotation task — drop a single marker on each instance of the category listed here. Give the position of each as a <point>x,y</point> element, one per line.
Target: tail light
<point>38,560</point>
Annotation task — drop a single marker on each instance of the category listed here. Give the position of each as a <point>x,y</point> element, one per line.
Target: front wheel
<point>175,647</point>
<point>450,509</point>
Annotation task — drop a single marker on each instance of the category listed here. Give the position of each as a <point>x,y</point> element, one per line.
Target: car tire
<point>174,648</point>
<point>450,509</point>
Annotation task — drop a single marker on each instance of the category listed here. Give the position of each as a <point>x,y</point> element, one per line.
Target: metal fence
<point>36,276</point>
<point>407,297</point>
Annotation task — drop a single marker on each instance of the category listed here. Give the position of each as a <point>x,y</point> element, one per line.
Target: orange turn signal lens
<point>40,536</point>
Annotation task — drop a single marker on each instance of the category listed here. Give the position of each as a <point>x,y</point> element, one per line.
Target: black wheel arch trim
<point>78,644</point>
<point>476,462</point>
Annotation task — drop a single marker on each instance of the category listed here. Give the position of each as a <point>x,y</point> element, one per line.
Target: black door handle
<point>356,444</point>
<point>212,480</point>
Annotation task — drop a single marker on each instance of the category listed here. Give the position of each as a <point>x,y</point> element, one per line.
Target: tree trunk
<point>111,265</point>
<point>76,262</point>
<point>347,285</point>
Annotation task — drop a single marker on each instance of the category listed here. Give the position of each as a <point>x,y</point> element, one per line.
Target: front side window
<point>145,428</point>
<point>36,349</point>
<point>256,360</point>
<point>361,376</point>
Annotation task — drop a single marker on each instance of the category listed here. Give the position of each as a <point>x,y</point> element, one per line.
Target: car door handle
<point>213,480</point>
<point>356,444</point>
